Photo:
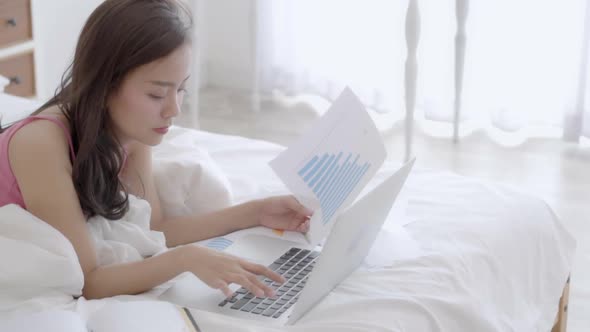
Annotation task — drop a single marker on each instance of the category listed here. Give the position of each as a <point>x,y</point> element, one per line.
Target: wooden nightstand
<point>17,47</point>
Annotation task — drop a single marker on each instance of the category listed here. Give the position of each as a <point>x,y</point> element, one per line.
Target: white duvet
<point>485,257</point>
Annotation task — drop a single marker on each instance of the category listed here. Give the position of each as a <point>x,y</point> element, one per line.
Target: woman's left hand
<point>285,213</point>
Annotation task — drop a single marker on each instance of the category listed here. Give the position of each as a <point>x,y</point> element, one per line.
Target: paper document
<point>329,165</point>
<point>221,243</point>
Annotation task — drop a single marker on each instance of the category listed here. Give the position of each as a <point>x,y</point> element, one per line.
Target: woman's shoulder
<point>54,113</point>
<point>39,137</point>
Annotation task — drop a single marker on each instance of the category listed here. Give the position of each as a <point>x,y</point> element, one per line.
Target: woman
<point>87,148</point>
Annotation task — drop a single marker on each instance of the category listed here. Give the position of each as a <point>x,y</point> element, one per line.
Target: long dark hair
<point>119,36</point>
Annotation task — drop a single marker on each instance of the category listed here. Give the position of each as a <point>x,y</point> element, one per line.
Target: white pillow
<point>189,181</point>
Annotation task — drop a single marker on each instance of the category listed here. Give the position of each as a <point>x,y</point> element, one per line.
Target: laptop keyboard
<point>295,266</point>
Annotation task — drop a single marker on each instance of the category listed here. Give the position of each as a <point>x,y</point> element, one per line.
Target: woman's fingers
<point>268,291</point>
<point>223,287</point>
<point>250,285</point>
<point>303,227</point>
<point>220,270</point>
<point>264,271</point>
<point>294,205</point>
<point>247,281</point>
<point>302,217</point>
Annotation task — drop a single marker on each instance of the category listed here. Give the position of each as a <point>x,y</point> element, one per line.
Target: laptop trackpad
<point>259,248</point>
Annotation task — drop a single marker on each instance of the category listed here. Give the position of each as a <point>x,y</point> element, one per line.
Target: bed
<point>456,253</point>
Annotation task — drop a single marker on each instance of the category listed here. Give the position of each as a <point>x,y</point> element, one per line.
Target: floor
<point>557,171</point>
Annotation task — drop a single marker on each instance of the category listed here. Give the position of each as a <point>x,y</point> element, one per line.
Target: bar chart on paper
<point>219,243</point>
<point>332,177</point>
<point>328,167</point>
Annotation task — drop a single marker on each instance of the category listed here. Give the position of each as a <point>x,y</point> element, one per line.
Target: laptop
<point>311,272</point>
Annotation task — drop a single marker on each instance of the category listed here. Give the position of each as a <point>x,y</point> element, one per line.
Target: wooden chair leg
<point>561,320</point>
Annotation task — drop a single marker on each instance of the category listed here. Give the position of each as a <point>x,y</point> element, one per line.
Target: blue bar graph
<point>332,180</point>
<point>219,243</point>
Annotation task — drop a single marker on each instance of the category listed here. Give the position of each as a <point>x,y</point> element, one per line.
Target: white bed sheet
<point>490,258</point>
<point>493,258</point>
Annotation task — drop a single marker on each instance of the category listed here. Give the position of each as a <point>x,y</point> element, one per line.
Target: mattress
<point>456,253</point>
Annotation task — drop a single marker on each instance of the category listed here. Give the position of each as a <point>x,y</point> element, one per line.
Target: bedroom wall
<point>56,26</point>
<point>228,54</point>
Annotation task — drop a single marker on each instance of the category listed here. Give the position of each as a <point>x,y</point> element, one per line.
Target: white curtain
<point>321,46</point>
<point>522,72</point>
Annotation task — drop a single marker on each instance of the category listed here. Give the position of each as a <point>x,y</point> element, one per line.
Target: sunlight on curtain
<point>521,63</point>
<point>321,46</point>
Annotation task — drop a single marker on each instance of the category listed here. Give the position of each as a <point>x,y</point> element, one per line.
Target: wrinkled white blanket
<point>40,268</point>
<point>129,239</point>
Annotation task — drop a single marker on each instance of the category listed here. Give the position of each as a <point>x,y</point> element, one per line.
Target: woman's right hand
<point>218,270</point>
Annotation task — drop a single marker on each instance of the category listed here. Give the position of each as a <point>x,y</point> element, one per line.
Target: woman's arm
<point>282,212</point>
<point>138,178</point>
<point>216,269</point>
<point>188,229</point>
<point>279,212</point>
<point>134,278</point>
<point>39,157</point>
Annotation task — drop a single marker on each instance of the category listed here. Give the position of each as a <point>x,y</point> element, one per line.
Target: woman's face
<point>149,97</point>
